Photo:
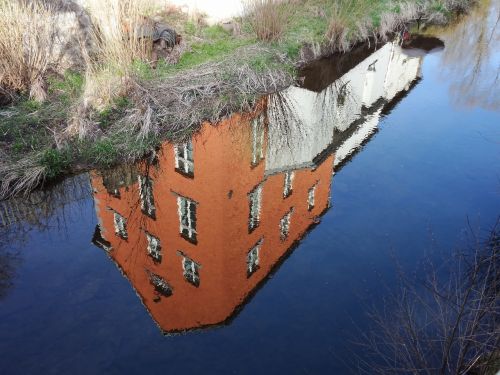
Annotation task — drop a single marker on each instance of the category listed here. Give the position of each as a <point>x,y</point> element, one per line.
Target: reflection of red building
<point>207,225</point>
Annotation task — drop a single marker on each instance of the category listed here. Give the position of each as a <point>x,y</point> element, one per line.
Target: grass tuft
<point>28,37</point>
<point>268,18</point>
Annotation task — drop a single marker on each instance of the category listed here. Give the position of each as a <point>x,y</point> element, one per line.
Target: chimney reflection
<point>200,229</point>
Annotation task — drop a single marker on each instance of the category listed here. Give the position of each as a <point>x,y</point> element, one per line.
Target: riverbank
<point>107,112</point>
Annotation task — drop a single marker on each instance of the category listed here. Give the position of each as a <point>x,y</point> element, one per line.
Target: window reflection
<point>187,218</point>
<point>184,162</point>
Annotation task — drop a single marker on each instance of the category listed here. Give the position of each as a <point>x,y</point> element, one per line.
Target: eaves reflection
<point>198,231</point>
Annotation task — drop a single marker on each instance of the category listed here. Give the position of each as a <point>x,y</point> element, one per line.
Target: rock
<point>232,27</point>
<point>74,35</point>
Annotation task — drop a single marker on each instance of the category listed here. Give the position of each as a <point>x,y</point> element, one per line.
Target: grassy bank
<point>120,106</point>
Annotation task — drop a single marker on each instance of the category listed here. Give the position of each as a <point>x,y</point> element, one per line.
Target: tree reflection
<point>40,211</point>
<point>9,261</point>
<point>471,58</point>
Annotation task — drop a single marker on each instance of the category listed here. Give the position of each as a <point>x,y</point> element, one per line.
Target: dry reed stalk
<point>268,18</point>
<point>122,35</point>
<point>336,34</point>
<point>349,24</point>
<point>176,106</point>
<point>28,37</point>
<point>21,176</point>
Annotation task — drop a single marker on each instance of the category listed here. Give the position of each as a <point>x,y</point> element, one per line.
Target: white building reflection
<point>304,123</point>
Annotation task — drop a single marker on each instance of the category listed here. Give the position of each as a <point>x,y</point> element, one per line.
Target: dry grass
<point>338,27</point>
<point>351,21</point>
<point>121,35</point>
<point>176,106</point>
<point>21,176</point>
<point>349,24</point>
<point>268,18</point>
<point>424,12</point>
<point>28,38</point>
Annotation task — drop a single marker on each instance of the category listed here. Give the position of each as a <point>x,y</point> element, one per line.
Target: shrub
<point>27,41</point>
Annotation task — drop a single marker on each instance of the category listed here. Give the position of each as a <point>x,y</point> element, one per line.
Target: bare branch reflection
<point>471,59</point>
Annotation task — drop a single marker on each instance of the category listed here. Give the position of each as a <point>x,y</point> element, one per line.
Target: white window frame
<point>257,139</point>
<point>120,224</point>
<point>255,203</point>
<point>181,153</point>
<point>285,225</point>
<point>146,195</point>
<point>311,197</point>
<point>253,258</point>
<point>288,183</point>
<point>191,224</point>
<point>154,246</point>
<point>191,270</point>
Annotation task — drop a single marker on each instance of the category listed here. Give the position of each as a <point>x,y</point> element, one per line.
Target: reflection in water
<point>8,265</point>
<point>341,117</point>
<point>42,210</point>
<point>471,59</point>
<point>198,230</point>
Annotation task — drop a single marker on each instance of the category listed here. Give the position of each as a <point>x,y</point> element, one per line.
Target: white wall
<point>216,10</point>
<point>314,118</point>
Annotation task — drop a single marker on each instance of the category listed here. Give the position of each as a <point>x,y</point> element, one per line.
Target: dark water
<point>402,150</point>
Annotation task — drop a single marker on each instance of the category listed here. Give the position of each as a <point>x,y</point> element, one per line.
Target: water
<point>277,230</point>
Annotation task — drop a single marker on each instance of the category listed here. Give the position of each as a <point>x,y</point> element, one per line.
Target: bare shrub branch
<point>28,36</point>
<point>447,324</point>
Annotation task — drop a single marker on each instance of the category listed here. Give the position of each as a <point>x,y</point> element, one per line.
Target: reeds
<point>268,18</point>
<point>28,36</point>
<point>122,34</point>
<point>338,27</point>
<point>350,22</point>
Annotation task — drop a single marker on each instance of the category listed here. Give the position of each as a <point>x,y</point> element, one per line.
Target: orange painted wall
<point>223,177</point>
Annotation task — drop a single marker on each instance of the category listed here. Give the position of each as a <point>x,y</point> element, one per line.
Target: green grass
<point>215,44</point>
<point>56,162</point>
<point>68,87</point>
<point>30,127</point>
